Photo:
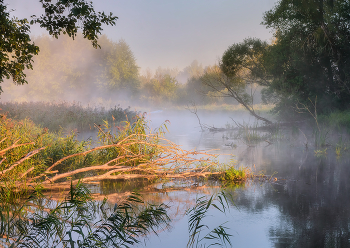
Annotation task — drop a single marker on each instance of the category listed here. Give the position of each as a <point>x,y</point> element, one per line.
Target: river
<point>304,202</point>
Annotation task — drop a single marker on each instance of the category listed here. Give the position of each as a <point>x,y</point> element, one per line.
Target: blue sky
<point>174,33</point>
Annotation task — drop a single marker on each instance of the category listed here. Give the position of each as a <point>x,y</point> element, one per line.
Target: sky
<point>173,33</point>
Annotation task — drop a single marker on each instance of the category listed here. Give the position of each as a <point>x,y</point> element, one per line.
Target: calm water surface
<point>307,204</point>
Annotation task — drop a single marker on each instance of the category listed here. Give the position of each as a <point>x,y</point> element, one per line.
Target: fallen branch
<point>145,156</point>
<point>30,154</point>
<point>14,145</point>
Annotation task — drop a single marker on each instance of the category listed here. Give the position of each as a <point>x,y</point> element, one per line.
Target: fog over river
<point>305,203</point>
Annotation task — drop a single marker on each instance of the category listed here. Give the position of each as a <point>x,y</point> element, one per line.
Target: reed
<point>73,223</point>
<point>217,236</point>
<point>64,115</point>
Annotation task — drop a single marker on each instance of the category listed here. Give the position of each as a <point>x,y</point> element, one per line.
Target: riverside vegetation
<point>306,61</point>
<point>34,159</point>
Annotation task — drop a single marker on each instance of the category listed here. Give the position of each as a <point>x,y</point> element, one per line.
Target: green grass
<point>337,120</point>
<point>20,140</point>
<point>234,175</point>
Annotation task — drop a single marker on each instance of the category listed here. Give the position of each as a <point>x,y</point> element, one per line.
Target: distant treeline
<point>67,70</point>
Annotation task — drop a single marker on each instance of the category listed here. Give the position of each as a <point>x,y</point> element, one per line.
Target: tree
<point>162,88</point>
<point>120,69</point>
<point>230,86</point>
<point>310,57</point>
<point>241,65</point>
<point>62,17</point>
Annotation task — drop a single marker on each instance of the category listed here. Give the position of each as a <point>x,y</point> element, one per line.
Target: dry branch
<point>14,145</point>
<point>30,154</point>
<point>138,156</point>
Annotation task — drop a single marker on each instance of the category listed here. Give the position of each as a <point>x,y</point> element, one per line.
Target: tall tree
<point>311,55</point>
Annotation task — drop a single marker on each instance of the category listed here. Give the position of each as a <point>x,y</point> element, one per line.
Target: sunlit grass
<point>236,175</point>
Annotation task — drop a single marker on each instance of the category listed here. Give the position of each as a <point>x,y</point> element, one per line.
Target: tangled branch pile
<point>132,151</point>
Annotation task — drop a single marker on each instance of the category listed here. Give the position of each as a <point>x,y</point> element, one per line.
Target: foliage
<point>234,175</point>
<point>233,84</point>
<point>73,222</point>
<point>65,17</point>
<point>197,214</point>
<point>16,51</point>
<point>336,120</point>
<point>310,55</point>
<point>119,69</point>
<point>245,60</point>
<point>70,15</point>
<point>161,88</point>
<point>139,130</point>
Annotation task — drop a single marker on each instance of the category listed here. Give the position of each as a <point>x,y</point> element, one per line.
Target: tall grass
<point>21,140</point>
<point>64,115</point>
<point>337,120</point>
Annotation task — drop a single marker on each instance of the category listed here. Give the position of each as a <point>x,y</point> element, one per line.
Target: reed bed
<point>64,115</point>
<point>32,156</point>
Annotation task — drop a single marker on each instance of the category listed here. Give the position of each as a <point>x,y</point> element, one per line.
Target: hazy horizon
<point>173,33</point>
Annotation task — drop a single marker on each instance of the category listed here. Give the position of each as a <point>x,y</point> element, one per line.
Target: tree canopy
<point>62,17</point>
<point>311,55</point>
<point>309,58</point>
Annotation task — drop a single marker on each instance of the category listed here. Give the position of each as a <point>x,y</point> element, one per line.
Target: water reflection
<point>307,206</point>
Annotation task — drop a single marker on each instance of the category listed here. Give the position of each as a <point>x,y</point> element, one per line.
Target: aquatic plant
<point>233,175</point>
<point>218,236</point>
<point>73,223</point>
<point>321,153</point>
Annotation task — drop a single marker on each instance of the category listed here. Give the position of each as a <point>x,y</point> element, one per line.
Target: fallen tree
<point>132,153</point>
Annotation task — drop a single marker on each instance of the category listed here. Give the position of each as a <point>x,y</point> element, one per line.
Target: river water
<point>304,202</point>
